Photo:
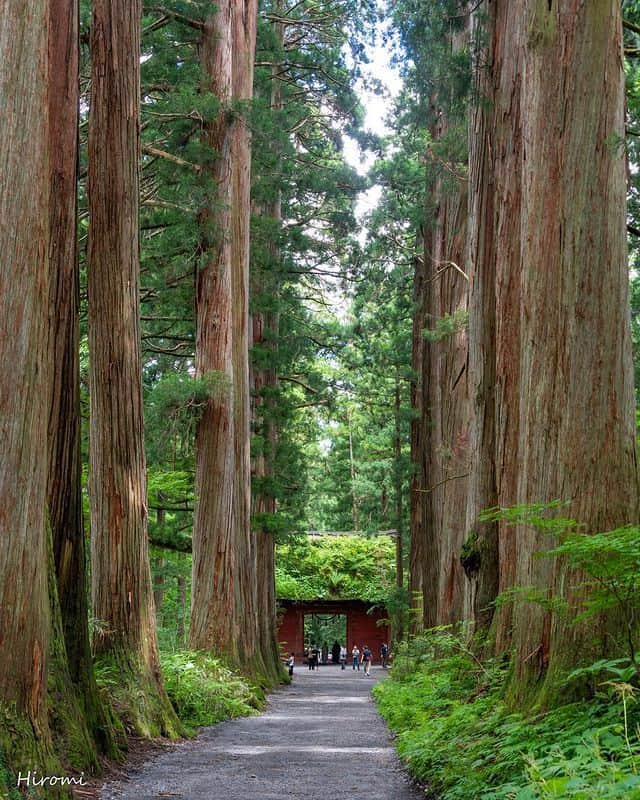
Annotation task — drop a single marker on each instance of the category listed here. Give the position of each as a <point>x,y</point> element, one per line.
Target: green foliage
<point>203,691</point>
<point>607,564</point>
<point>447,326</point>
<point>459,738</point>
<point>344,567</point>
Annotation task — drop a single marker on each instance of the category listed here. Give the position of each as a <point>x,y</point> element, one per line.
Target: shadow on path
<point>318,739</point>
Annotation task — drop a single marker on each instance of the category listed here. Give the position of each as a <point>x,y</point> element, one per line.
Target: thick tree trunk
<point>243,24</point>
<point>487,152</point>
<point>442,443</point>
<point>447,407</point>
<point>548,215</point>
<point>575,363</point>
<point>224,594</point>
<point>24,379</point>
<point>215,564</point>
<point>64,470</point>
<point>121,577</point>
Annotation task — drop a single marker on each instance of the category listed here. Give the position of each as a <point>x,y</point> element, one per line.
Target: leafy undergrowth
<point>203,691</point>
<point>459,739</point>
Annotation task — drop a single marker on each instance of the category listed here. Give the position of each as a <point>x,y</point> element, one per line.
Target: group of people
<point>359,657</point>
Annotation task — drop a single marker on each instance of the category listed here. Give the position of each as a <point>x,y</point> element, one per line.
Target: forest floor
<point>321,737</point>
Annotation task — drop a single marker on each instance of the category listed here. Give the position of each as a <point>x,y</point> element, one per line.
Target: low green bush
<point>459,739</point>
<point>204,691</point>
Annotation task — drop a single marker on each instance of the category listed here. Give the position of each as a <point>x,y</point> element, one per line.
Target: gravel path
<point>319,738</point>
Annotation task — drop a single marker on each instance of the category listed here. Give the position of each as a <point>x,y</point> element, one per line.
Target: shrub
<point>204,691</point>
<point>459,738</point>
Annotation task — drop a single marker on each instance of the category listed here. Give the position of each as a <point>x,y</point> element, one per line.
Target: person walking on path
<point>355,653</point>
<point>290,663</point>
<point>343,657</point>
<point>384,654</point>
<point>366,659</point>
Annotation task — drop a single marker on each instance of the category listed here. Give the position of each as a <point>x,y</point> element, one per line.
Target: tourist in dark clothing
<point>366,659</point>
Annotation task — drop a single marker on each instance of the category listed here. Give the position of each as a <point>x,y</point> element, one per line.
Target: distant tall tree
<point>64,479</point>
<point>444,384</point>
<point>265,323</point>
<point>243,24</point>
<point>214,623</point>
<point>121,578</point>
<point>24,378</point>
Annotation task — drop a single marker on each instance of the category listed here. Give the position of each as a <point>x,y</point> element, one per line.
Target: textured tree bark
<point>446,412</point>
<point>121,577</point>
<point>488,148</point>
<point>243,27</point>
<point>548,210</point>
<point>265,331</point>
<point>64,469</point>
<point>214,604</point>
<point>24,377</point>
<point>442,443</point>
<point>264,385</point>
<point>419,509</point>
<point>575,365</point>
<point>224,594</point>
<point>398,632</point>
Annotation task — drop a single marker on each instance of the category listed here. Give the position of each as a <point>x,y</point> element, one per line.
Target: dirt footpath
<point>319,738</point>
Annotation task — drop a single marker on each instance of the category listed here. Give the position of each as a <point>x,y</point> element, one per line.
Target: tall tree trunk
<point>121,577</point>
<point>575,362</point>
<point>158,586</point>
<point>265,299</point>
<point>487,153</point>
<point>548,215</point>
<point>419,510</point>
<point>398,633</point>
<point>215,563</point>
<point>182,609</point>
<point>24,380</point>
<point>264,386</point>
<point>355,516</point>
<point>447,409</point>
<point>243,27</point>
<point>64,469</point>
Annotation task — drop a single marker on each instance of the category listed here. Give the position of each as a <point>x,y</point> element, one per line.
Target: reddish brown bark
<point>214,602</point>
<point>448,413</point>
<point>243,24</point>
<point>64,468</point>
<point>441,444</point>
<point>576,437</point>
<point>419,508</point>
<point>264,384</point>
<point>121,577</point>
<point>548,210</point>
<point>24,370</point>
<point>224,566</point>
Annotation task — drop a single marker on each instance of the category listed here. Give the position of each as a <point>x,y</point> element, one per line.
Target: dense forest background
<point>214,349</point>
